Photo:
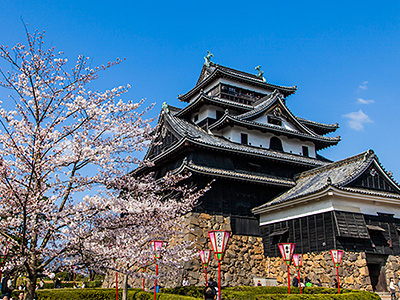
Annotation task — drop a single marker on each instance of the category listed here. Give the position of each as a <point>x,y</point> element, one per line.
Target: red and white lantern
<point>337,256</point>
<point>157,246</point>
<point>205,257</point>
<point>219,241</point>
<point>297,260</point>
<point>287,250</point>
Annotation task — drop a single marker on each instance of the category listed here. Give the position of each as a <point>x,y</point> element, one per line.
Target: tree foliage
<point>57,138</point>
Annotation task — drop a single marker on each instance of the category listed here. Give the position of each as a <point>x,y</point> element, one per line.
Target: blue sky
<point>343,55</point>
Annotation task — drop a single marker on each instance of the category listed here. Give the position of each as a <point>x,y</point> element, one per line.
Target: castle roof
<point>265,104</point>
<point>214,71</point>
<point>191,166</point>
<point>338,175</point>
<point>189,133</point>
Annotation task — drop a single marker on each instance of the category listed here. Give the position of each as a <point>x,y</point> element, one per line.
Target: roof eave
<point>286,91</point>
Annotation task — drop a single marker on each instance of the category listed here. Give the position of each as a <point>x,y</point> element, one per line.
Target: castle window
<point>274,121</point>
<point>305,151</point>
<point>244,138</point>
<point>280,236</point>
<point>275,144</point>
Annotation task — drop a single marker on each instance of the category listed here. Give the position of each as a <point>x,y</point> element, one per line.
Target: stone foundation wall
<point>353,272</point>
<point>392,268</point>
<point>244,260</point>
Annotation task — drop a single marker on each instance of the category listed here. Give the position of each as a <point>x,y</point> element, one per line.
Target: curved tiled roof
<point>336,174</point>
<point>265,103</point>
<point>198,136</point>
<point>277,129</point>
<point>217,71</point>
<point>325,127</point>
<point>262,105</point>
<point>371,192</point>
<point>239,175</point>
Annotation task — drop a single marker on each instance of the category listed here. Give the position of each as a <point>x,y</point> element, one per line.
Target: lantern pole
<point>287,250</point>
<point>116,280</point>
<point>337,256</point>
<point>219,241</point>
<point>297,262</point>
<point>205,259</point>
<point>338,285</point>
<point>157,246</point>
<point>155,282</point>
<point>3,255</point>
<point>143,269</point>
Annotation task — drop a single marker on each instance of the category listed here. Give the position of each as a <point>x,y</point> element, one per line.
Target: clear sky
<point>343,55</point>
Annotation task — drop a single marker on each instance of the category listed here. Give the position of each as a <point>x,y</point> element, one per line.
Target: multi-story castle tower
<point>271,185</point>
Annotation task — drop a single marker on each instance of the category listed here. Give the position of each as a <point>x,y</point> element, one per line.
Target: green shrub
<point>89,294</point>
<point>191,291</point>
<point>273,292</point>
<point>174,297</point>
<point>50,285</point>
<point>230,293</point>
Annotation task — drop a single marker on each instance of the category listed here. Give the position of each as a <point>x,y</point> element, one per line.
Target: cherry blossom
<point>54,131</point>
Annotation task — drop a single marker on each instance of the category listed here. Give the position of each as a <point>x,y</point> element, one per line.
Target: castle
<point>271,185</point>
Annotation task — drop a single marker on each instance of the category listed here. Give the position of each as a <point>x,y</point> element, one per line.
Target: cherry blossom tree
<point>118,239</point>
<point>57,138</point>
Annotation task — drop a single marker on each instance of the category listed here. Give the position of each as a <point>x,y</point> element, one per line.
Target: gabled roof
<point>266,103</point>
<point>208,74</point>
<point>189,133</point>
<point>262,107</point>
<point>234,174</point>
<point>322,141</point>
<point>337,175</point>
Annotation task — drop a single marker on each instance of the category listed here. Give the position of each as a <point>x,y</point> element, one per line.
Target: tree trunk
<point>31,287</point>
<point>125,287</point>
<point>92,274</point>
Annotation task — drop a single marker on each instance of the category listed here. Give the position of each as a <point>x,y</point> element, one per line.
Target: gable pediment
<point>164,139</point>
<point>375,178</point>
<point>277,115</point>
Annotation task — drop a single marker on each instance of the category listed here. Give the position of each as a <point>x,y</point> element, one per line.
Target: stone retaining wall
<point>244,260</point>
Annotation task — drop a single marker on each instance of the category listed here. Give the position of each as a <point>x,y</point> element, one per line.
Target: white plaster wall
<point>368,207</point>
<point>258,139</point>
<point>289,126</point>
<point>296,211</point>
<point>285,123</point>
<point>209,111</point>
